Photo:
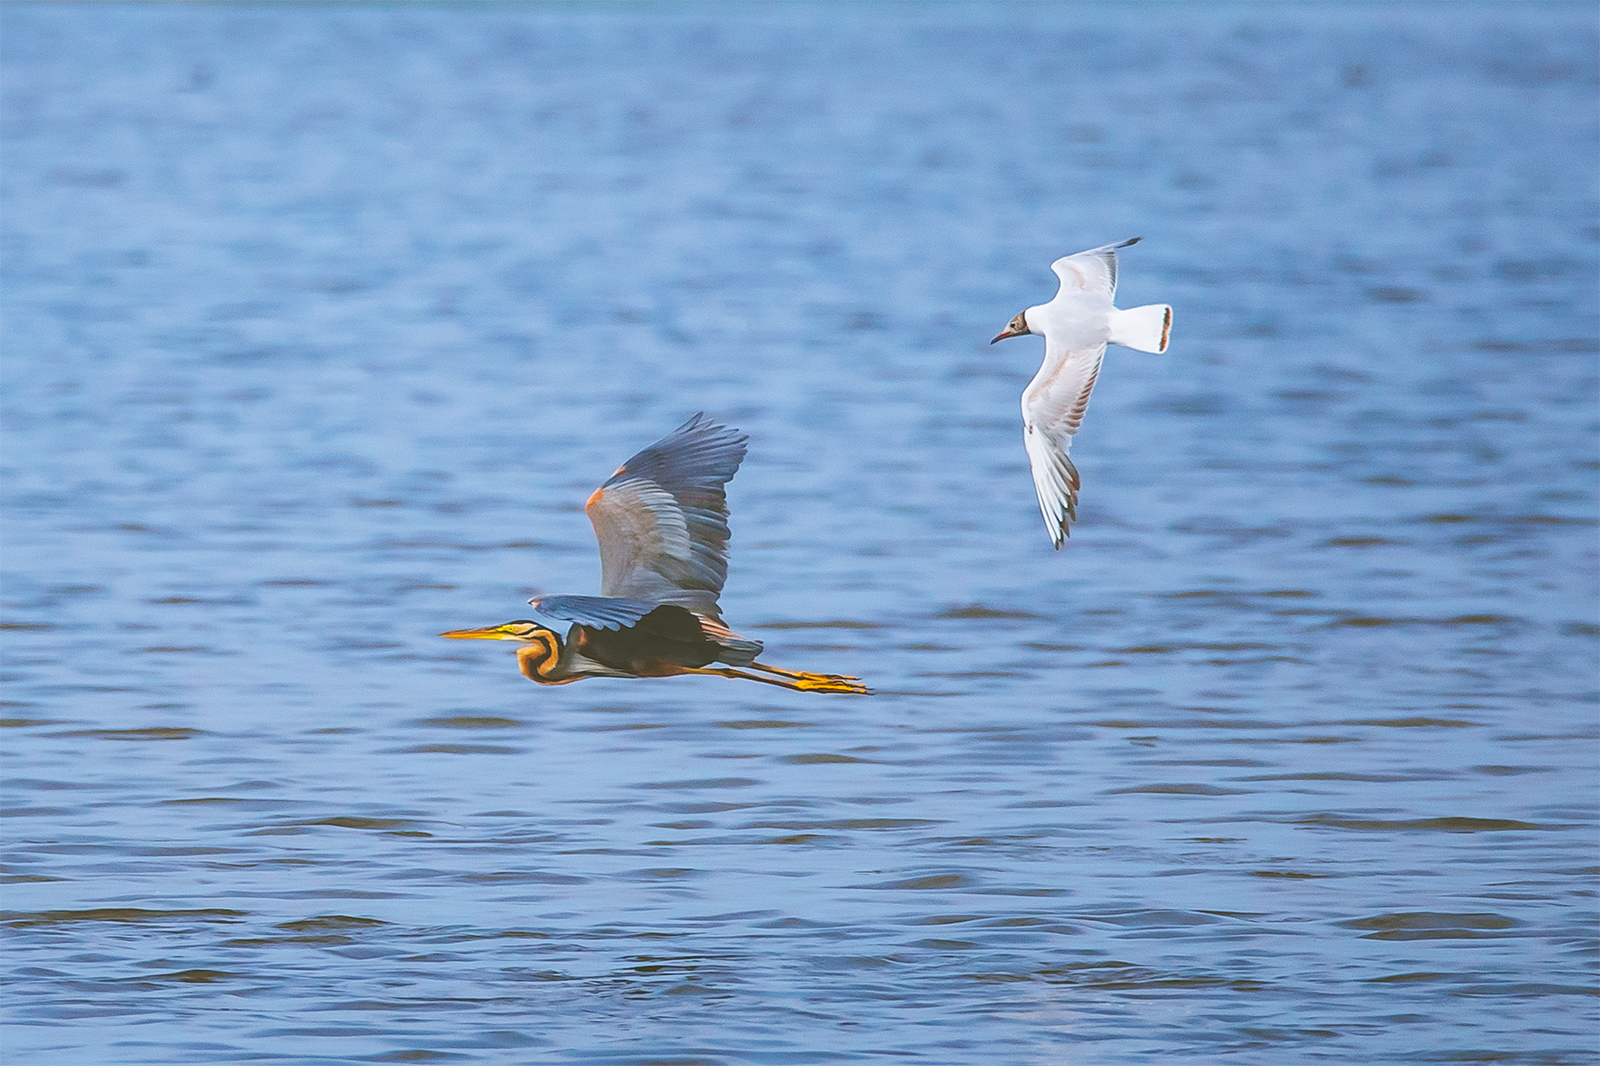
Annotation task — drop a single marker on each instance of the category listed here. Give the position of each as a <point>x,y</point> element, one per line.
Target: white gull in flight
<point>1076,325</point>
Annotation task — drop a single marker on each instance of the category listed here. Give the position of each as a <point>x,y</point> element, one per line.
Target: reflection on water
<point>320,322</point>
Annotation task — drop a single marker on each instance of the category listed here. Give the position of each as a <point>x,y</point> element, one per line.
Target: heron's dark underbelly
<point>645,654</point>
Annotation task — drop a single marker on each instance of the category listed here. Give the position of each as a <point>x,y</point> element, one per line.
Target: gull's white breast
<point>1072,321</point>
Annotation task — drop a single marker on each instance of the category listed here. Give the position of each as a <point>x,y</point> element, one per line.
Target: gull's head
<point>1015,328</point>
<point>520,630</point>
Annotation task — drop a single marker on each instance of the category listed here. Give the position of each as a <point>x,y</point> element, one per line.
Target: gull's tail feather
<point>1143,329</point>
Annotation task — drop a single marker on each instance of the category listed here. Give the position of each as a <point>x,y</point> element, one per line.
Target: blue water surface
<point>320,323</point>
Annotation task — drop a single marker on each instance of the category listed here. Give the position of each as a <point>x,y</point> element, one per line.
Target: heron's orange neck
<point>540,659</point>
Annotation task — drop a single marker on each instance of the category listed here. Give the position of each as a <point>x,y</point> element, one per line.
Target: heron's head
<point>539,657</point>
<point>522,630</point>
<point>1015,328</point>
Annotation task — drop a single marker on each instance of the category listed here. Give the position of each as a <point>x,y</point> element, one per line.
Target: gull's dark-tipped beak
<point>1015,328</point>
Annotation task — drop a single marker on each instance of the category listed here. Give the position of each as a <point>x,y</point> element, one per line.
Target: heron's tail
<point>738,651</point>
<point>734,649</point>
<point>1143,329</point>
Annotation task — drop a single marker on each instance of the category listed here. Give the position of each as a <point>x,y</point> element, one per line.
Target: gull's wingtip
<point>1107,252</point>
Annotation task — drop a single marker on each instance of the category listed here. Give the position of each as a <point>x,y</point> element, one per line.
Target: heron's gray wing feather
<point>597,612</point>
<point>662,518</point>
<point>1052,409</point>
<point>1093,271</point>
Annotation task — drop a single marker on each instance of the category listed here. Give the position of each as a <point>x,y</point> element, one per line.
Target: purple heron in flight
<point>662,523</point>
<point>1077,325</point>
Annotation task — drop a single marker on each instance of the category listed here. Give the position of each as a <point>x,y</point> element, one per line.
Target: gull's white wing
<point>1052,409</point>
<point>1094,271</point>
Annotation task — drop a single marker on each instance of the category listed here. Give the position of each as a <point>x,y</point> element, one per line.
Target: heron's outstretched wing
<point>1094,271</point>
<point>1052,409</point>
<point>662,518</point>
<point>597,612</point>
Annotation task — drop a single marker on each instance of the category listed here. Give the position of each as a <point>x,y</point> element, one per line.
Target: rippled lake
<point>321,322</point>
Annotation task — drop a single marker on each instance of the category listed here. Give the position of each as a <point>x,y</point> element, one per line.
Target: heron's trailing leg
<point>802,682</point>
<point>801,675</point>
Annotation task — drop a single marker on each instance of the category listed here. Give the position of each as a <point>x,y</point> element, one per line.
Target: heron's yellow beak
<point>500,632</point>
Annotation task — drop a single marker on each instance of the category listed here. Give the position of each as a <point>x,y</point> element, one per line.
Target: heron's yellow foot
<point>831,683</point>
